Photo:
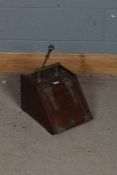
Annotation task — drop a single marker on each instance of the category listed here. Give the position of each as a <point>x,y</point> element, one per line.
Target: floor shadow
<point>10,83</point>
<point>89,87</point>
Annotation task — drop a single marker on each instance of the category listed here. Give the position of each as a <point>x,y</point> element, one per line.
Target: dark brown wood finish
<point>53,97</point>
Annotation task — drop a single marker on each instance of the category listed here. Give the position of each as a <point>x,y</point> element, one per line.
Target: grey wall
<point>85,26</point>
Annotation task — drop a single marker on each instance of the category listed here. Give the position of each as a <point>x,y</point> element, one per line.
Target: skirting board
<point>78,63</point>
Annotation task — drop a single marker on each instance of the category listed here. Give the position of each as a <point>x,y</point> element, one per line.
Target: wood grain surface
<point>78,63</point>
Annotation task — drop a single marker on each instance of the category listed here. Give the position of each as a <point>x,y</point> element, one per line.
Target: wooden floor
<point>78,63</point>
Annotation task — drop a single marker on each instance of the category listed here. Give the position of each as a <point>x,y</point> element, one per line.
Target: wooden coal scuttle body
<point>53,97</point>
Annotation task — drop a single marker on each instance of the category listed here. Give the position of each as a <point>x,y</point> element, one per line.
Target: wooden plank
<point>78,63</point>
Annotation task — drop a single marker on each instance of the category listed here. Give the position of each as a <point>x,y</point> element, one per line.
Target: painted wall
<point>85,26</point>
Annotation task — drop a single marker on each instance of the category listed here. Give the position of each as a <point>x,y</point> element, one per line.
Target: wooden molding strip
<point>78,63</point>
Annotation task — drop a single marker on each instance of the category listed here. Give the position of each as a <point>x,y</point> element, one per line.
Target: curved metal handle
<point>50,49</point>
